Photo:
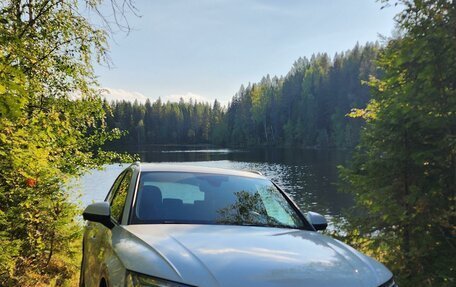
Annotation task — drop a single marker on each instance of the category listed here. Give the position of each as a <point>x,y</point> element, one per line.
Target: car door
<point>109,264</point>
<point>92,242</point>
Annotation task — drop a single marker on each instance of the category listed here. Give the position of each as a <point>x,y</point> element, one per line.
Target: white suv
<point>164,225</point>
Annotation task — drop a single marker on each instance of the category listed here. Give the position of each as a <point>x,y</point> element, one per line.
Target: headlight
<point>140,280</point>
<point>389,283</point>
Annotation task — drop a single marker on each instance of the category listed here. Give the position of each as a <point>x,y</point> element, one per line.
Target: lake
<point>309,176</point>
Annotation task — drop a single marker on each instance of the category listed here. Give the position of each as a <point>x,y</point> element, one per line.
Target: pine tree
<point>404,172</point>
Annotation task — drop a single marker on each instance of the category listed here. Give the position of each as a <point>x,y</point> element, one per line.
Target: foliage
<point>165,123</point>
<point>306,108</point>
<point>404,171</point>
<point>51,125</point>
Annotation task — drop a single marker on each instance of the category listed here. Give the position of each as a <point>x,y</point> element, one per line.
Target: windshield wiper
<point>282,226</point>
<point>263,225</point>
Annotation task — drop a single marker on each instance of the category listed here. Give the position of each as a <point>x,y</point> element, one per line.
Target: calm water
<point>309,176</point>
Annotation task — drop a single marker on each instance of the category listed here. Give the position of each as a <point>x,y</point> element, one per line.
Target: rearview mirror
<point>317,220</point>
<point>99,212</point>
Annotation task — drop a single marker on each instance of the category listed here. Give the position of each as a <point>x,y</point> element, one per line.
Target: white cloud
<point>116,95</point>
<point>122,95</point>
<point>186,97</point>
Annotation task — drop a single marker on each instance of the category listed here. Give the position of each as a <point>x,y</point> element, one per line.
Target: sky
<point>206,49</point>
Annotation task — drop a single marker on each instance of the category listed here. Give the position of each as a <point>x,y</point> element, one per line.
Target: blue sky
<point>205,49</point>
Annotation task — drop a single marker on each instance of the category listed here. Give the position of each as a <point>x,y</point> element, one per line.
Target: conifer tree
<point>404,172</point>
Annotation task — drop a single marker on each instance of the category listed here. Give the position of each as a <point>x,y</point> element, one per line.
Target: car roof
<point>157,167</point>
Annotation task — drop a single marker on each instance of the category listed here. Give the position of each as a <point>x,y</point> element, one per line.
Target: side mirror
<point>99,212</point>
<point>317,220</point>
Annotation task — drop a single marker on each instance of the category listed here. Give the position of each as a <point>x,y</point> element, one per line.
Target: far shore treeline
<point>305,108</point>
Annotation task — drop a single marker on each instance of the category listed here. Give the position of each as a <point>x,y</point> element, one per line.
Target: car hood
<point>227,256</point>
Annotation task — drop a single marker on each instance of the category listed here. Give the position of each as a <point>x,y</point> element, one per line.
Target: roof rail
<point>255,171</point>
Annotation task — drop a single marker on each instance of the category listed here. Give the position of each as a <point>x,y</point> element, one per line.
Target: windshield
<point>183,197</point>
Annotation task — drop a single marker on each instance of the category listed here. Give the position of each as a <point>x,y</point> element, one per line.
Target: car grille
<point>389,283</point>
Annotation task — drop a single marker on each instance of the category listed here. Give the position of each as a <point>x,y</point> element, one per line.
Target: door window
<point>120,195</point>
<point>114,187</point>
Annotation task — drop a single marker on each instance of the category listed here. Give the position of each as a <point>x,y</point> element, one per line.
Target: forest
<point>393,105</point>
<point>306,108</point>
